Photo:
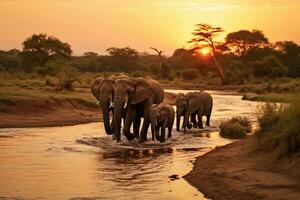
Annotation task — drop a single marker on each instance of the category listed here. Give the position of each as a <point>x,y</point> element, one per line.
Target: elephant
<point>180,111</point>
<point>102,89</point>
<point>200,103</point>
<point>137,95</point>
<point>161,116</point>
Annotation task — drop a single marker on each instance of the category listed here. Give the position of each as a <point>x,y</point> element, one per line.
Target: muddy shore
<point>52,112</point>
<point>236,171</point>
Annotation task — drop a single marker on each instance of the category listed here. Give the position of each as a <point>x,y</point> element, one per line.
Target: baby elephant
<point>161,116</point>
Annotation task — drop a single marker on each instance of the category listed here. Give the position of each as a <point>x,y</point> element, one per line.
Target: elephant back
<point>158,91</point>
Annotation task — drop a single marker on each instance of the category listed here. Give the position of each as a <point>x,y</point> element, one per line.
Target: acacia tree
<point>241,41</point>
<point>40,48</point>
<point>204,35</point>
<point>159,53</point>
<point>123,59</point>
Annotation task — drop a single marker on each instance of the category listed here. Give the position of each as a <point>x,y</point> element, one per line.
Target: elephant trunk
<point>154,130</point>
<point>118,107</point>
<point>105,112</point>
<point>178,122</point>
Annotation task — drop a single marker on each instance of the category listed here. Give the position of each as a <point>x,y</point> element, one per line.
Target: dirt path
<point>235,172</point>
<point>51,112</point>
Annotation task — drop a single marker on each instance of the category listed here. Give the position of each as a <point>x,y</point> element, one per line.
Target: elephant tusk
<point>125,105</point>
<point>111,105</point>
<point>98,102</point>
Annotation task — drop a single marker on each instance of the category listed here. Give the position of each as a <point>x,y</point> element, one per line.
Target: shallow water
<point>82,162</point>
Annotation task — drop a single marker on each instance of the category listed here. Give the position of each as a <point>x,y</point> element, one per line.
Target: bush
<point>189,74</point>
<point>137,74</point>
<point>235,128</point>
<point>67,76</point>
<point>269,66</point>
<point>280,128</point>
<point>165,72</point>
<point>235,73</point>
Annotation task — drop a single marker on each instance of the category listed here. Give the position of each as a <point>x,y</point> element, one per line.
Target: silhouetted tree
<point>269,66</point>
<point>123,59</point>
<point>289,53</point>
<point>90,54</point>
<point>10,60</point>
<point>159,53</point>
<point>243,40</point>
<point>40,48</point>
<point>205,34</point>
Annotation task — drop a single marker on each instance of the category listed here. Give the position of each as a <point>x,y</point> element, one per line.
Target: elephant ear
<point>142,90</point>
<point>97,82</point>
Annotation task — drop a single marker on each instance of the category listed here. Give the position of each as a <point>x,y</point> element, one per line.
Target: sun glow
<point>205,51</point>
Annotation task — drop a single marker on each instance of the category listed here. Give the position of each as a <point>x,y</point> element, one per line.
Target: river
<point>82,162</point>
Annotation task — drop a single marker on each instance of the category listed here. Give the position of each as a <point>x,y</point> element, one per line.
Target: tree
<point>159,53</point>
<point>40,48</point>
<point>289,53</point>
<point>123,59</point>
<point>269,66</point>
<point>90,54</point>
<point>205,34</point>
<point>241,41</point>
<point>10,60</point>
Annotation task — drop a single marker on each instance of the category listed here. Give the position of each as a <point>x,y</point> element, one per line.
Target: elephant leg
<point>169,132</point>
<point>157,132</point>
<point>146,123</point>
<point>193,119</point>
<point>163,130</point>
<point>200,122</point>
<point>143,136</point>
<point>185,120</point>
<point>136,126</point>
<point>129,119</point>
<point>208,120</point>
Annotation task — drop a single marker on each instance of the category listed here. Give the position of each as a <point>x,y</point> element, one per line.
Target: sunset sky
<point>95,25</point>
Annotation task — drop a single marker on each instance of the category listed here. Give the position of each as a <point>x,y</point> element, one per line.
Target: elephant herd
<point>131,99</point>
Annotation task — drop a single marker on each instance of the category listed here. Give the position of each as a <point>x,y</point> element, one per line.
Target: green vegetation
<point>235,128</point>
<point>279,128</point>
<point>246,60</point>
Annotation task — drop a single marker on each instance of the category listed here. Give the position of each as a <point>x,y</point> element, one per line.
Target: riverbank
<point>236,171</point>
<point>45,109</point>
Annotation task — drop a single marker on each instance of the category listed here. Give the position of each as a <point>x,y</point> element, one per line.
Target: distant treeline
<point>244,55</point>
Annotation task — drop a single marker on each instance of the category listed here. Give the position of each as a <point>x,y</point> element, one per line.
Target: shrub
<point>50,81</point>
<point>280,128</point>
<point>189,74</point>
<point>136,74</point>
<point>165,72</point>
<point>269,66</point>
<point>235,73</point>
<point>67,76</point>
<point>235,128</point>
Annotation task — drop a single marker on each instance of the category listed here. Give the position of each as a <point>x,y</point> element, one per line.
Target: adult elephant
<point>200,103</point>
<point>181,107</point>
<point>137,94</point>
<point>102,89</point>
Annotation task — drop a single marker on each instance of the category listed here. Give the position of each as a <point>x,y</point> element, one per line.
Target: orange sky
<point>94,25</point>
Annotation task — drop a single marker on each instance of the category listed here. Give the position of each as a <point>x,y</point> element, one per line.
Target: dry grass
<point>280,128</point>
<point>235,128</point>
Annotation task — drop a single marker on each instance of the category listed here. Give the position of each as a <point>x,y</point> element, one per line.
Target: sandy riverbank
<point>46,112</point>
<point>236,171</point>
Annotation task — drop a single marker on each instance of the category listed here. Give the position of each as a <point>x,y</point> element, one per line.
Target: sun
<point>205,51</point>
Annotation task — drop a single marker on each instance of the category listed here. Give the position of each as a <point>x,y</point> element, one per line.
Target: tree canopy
<point>204,35</point>
<point>241,41</point>
<point>40,48</point>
